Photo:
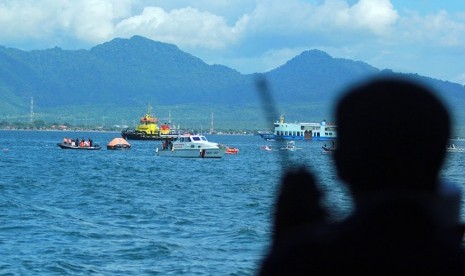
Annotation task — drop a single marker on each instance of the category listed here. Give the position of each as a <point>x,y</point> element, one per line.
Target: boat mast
<point>148,109</point>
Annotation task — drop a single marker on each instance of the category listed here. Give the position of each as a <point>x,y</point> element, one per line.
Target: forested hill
<point>121,71</point>
<point>115,80</point>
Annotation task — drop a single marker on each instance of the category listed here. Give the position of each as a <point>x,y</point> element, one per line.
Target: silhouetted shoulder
<point>389,156</point>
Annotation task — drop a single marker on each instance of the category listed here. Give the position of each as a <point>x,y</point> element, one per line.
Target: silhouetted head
<point>392,134</point>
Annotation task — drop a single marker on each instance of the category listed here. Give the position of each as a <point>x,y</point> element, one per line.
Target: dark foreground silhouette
<point>392,136</point>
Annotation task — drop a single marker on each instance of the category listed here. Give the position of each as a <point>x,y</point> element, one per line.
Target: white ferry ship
<point>322,131</point>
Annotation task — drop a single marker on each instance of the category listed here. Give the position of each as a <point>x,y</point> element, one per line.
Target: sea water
<point>132,213</point>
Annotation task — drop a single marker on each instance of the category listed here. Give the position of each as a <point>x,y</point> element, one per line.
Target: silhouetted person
<point>392,136</point>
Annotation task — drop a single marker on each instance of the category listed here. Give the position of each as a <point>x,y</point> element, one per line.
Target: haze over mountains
<point>113,83</point>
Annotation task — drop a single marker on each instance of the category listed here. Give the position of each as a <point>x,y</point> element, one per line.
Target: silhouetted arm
<point>298,202</point>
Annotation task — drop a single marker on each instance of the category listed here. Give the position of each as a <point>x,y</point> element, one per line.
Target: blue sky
<point>414,36</point>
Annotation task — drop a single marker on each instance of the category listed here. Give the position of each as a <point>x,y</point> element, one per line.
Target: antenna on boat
<point>32,112</point>
<point>211,128</point>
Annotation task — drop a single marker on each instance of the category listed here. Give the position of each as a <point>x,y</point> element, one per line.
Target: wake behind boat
<point>191,146</point>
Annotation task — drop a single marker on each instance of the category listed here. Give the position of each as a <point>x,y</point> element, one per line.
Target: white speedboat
<point>191,146</point>
<point>266,147</point>
<point>291,146</point>
<point>452,148</point>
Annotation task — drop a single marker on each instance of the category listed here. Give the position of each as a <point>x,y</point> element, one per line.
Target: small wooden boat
<point>328,149</point>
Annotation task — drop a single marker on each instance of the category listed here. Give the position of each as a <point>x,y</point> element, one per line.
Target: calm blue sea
<point>133,213</point>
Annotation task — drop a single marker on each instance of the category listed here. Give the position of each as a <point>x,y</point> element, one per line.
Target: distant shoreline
<point>61,130</point>
<point>112,131</point>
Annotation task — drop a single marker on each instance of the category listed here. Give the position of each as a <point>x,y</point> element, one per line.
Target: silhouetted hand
<point>298,202</point>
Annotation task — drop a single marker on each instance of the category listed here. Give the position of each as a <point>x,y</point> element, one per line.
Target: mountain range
<point>114,82</point>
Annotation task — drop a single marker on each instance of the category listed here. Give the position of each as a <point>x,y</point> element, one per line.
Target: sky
<point>426,37</point>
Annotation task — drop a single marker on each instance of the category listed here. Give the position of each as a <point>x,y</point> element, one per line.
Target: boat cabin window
<point>203,138</point>
<point>195,138</point>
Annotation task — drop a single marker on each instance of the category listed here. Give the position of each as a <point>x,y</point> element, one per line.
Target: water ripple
<point>131,212</point>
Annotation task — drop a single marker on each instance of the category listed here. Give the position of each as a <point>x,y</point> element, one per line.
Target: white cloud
<point>96,21</point>
<point>376,16</point>
<point>250,36</point>
<point>86,20</point>
<point>18,21</point>
<point>440,29</point>
<point>92,20</point>
<point>185,27</point>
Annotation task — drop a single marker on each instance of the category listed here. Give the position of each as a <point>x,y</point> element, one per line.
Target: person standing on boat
<point>170,144</point>
<point>165,144</point>
<point>405,220</point>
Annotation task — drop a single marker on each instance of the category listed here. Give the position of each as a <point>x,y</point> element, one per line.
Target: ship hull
<point>133,135</point>
<point>191,153</point>
<point>273,137</point>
